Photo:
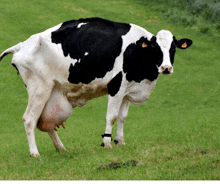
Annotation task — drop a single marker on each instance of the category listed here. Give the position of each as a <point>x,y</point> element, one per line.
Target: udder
<point>57,110</point>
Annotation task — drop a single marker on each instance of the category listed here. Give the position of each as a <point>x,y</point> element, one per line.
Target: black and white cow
<point>78,60</point>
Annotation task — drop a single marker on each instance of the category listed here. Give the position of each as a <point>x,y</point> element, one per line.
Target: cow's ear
<point>145,43</point>
<point>183,43</point>
<point>153,41</point>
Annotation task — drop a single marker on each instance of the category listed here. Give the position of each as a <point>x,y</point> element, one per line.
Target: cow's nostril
<point>170,68</point>
<point>163,68</point>
<point>166,71</point>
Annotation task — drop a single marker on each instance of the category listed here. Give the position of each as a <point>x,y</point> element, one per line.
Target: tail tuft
<point>3,55</point>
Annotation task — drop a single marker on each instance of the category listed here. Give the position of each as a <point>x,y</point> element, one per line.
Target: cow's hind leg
<point>123,112</point>
<point>56,141</point>
<point>36,102</point>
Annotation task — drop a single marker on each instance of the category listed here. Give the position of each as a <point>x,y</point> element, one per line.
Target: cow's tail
<point>12,50</point>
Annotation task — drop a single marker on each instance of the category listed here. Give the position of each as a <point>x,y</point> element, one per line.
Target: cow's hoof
<point>61,149</point>
<point>34,155</point>
<point>106,142</point>
<point>106,146</point>
<point>119,142</point>
<point>107,138</point>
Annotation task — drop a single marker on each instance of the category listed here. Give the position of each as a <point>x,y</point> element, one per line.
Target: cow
<point>78,60</point>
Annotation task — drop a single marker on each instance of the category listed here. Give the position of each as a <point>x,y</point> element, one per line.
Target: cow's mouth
<point>166,73</point>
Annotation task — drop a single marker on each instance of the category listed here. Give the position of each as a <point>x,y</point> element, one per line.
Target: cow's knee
<point>29,127</point>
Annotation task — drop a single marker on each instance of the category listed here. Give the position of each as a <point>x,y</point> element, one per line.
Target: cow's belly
<point>79,94</point>
<point>57,110</point>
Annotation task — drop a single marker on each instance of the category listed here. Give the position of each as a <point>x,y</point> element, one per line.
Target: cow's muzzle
<point>166,69</point>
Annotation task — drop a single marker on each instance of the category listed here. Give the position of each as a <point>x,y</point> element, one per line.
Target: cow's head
<point>165,45</point>
<point>146,58</point>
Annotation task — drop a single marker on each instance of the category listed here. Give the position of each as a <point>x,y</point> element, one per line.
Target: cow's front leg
<point>114,104</point>
<point>123,112</point>
<point>36,102</point>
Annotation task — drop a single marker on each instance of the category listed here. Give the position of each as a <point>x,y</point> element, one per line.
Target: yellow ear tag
<point>144,45</point>
<point>184,45</point>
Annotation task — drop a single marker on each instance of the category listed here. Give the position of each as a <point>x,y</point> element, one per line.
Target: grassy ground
<point>175,135</point>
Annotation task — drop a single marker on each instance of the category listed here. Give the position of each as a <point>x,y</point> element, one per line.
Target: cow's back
<point>95,43</point>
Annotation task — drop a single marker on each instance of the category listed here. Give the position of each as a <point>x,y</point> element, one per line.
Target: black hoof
<point>116,142</point>
<point>103,145</point>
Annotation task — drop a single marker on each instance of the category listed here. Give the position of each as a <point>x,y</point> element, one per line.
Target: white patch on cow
<point>135,33</point>
<point>164,40</point>
<point>74,61</point>
<point>80,24</point>
<point>138,93</point>
<point>121,119</point>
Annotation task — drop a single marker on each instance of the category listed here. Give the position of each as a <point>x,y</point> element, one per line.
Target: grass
<point>173,136</point>
<point>202,15</point>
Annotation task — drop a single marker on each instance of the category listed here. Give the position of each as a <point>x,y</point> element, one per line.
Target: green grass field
<point>173,136</point>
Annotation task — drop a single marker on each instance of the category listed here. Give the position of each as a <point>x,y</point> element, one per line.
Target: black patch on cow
<point>115,84</point>
<point>15,68</point>
<point>107,135</point>
<point>100,39</point>
<point>172,52</point>
<point>116,141</point>
<point>141,63</point>
<point>5,54</point>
